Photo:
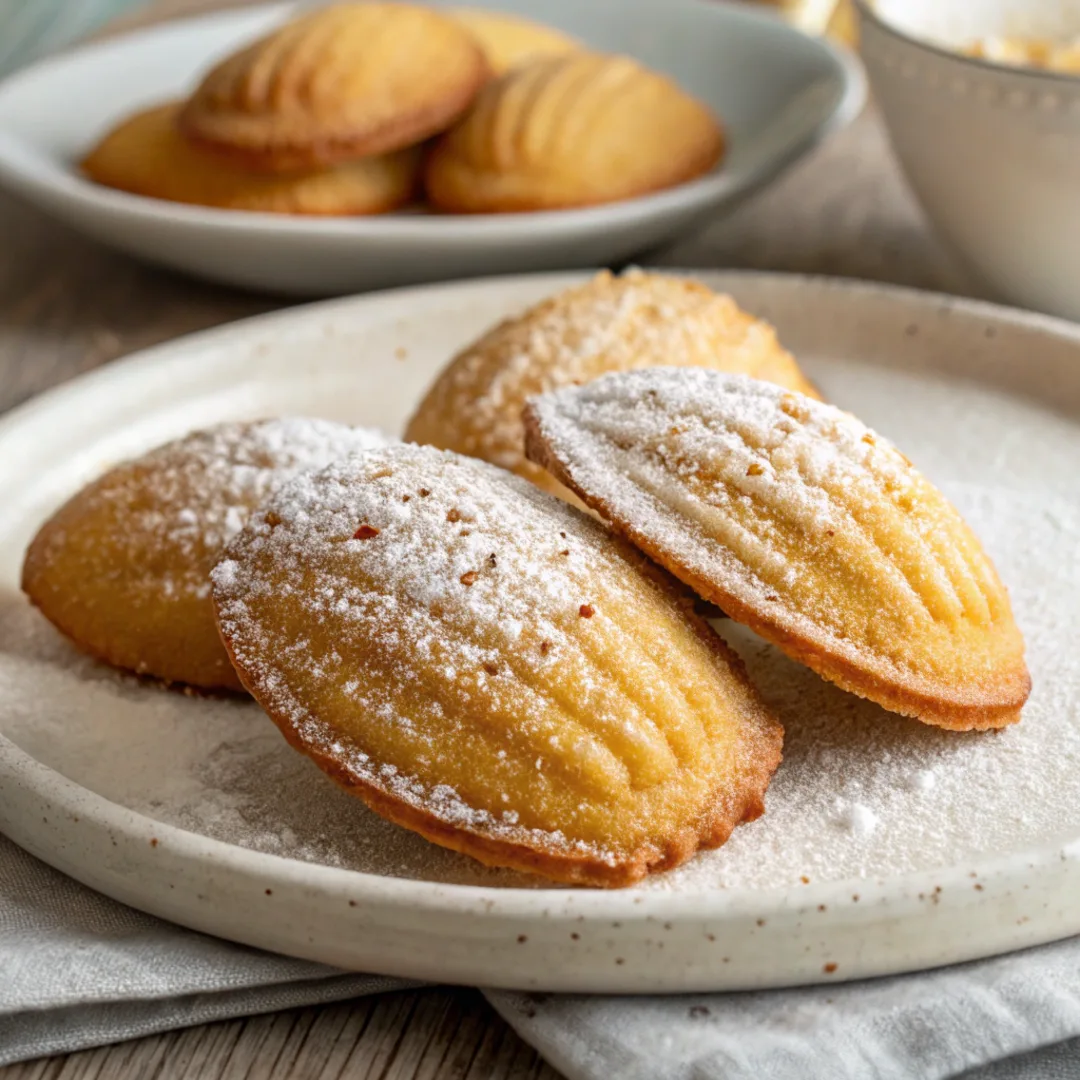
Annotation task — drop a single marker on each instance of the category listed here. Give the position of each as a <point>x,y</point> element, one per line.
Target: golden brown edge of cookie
<point>88,165</point>
<point>698,165</point>
<point>227,690</point>
<point>292,156</point>
<point>713,828</point>
<point>32,574</point>
<point>938,710</point>
<point>367,209</point>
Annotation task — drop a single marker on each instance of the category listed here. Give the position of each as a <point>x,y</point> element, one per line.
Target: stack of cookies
<point>361,108</point>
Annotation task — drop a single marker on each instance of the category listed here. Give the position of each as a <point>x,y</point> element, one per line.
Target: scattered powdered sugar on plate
<point>214,766</point>
<point>861,793</point>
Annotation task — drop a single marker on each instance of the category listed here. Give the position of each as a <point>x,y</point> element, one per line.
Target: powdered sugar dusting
<point>222,769</point>
<point>187,499</point>
<point>638,441</point>
<point>796,511</point>
<point>232,468</point>
<point>942,800</point>
<point>404,605</point>
<point>611,323</point>
<point>217,767</point>
<point>867,794</point>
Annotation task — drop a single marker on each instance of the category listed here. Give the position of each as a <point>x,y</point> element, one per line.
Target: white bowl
<point>992,152</point>
<point>777,90</point>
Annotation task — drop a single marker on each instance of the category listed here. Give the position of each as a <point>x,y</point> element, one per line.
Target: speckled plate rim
<point>569,940</point>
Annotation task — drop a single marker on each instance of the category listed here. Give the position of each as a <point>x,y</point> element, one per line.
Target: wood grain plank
<point>335,1029</point>
<point>419,1035</point>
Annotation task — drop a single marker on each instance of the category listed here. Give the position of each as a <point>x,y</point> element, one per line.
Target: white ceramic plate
<point>778,91</point>
<point>886,846</point>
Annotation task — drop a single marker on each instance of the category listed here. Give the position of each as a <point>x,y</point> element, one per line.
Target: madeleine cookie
<point>147,155</point>
<point>343,82</point>
<point>802,523</point>
<point>489,667</point>
<point>608,324</point>
<point>571,131</point>
<point>509,40</point>
<point>123,567</point>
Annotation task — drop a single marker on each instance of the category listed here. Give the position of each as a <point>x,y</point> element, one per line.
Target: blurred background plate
<point>778,91</point>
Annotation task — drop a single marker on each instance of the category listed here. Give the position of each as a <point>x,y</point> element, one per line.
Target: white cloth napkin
<point>79,970</point>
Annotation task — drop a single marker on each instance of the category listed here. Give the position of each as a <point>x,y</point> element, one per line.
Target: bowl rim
<point>28,168</point>
<point>867,12</point>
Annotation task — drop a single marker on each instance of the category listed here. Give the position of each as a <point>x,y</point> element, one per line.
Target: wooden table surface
<point>68,305</point>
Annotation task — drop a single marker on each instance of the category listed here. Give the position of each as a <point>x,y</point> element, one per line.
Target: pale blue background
<point>31,28</point>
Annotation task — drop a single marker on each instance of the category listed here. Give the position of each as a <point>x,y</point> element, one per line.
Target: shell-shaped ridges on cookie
<point>557,110</point>
<point>340,83</point>
<point>613,87</point>
<point>479,646</point>
<point>574,130</point>
<point>799,519</point>
<point>607,324</point>
<point>562,116</point>
<point>304,64</point>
